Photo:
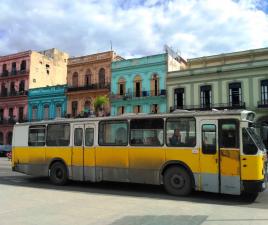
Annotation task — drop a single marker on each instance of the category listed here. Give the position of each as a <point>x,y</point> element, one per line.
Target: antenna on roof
<point>111,43</point>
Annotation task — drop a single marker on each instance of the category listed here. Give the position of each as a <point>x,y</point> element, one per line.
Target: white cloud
<point>194,27</point>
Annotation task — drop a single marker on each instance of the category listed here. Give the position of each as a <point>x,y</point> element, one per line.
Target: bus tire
<point>58,174</point>
<point>177,181</point>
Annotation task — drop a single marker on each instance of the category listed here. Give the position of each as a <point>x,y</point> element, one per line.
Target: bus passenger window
<point>209,139</point>
<point>89,136</point>
<point>58,135</point>
<point>229,133</point>
<point>37,136</point>
<point>146,132</point>
<point>78,137</point>
<point>249,147</point>
<point>180,132</point>
<point>113,133</point>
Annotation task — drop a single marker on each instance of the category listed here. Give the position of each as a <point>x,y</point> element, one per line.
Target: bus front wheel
<point>177,181</point>
<point>58,174</point>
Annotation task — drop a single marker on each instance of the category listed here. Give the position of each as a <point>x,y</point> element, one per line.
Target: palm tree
<point>99,102</point>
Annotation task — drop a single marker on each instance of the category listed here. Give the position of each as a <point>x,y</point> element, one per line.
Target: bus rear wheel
<point>177,181</point>
<point>58,174</point>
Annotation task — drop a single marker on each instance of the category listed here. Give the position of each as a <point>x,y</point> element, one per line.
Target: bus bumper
<point>254,186</point>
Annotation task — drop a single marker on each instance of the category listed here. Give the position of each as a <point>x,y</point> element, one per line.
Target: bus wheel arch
<point>177,170</point>
<point>58,172</point>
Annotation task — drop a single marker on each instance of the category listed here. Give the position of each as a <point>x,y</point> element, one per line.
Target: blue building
<point>139,85</point>
<point>47,103</point>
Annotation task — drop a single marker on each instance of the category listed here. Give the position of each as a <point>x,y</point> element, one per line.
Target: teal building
<point>139,85</point>
<point>47,103</point>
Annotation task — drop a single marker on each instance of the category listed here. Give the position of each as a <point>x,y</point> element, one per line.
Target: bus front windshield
<point>256,138</point>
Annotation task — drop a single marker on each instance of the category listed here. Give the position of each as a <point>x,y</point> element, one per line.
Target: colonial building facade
<point>47,103</point>
<point>236,80</point>
<point>139,85</point>
<point>88,77</point>
<point>21,72</point>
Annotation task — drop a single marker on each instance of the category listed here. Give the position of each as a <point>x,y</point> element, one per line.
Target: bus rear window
<point>58,135</point>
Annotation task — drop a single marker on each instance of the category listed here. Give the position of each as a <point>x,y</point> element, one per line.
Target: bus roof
<point>182,113</point>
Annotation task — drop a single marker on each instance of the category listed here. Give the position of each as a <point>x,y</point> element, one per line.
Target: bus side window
<point>209,139</point>
<point>229,133</point>
<point>249,148</point>
<point>37,136</point>
<point>78,137</point>
<point>58,135</point>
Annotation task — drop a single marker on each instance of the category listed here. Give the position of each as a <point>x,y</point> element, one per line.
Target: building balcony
<point>89,87</point>
<point>7,73</point>
<point>263,103</point>
<point>13,93</point>
<point>219,106</point>
<point>141,94</point>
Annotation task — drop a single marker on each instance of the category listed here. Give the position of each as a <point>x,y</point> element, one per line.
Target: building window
<point>4,70</point>
<point>235,94</point>
<point>87,106</point>
<point>13,68</point>
<point>34,113</point>
<point>147,132</point>
<point>113,133</point>
<point>75,79</point>
<point>23,66</point>
<point>137,109</point>
<point>22,87</point>
<point>1,115</point>
<point>3,90</point>
<point>122,86</point>
<point>154,108</point>
<point>21,113</point>
<point>12,89</point>
<point>178,98</point>
<point>120,110</point>
<point>58,110</point>
<point>155,85</point>
<point>46,112</point>
<point>137,86</point>
<point>264,92</point>
<point>11,115</point>
<point>88,78</point>
<point>205,96</point>
<point>74,108</point>
<point>9,138</point>
<point>102,78</point>
<point>58,135</point>
<point>37,136</point>
<point>1,138</point>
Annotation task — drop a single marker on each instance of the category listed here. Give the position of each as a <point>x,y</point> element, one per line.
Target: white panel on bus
<point>20,136</point>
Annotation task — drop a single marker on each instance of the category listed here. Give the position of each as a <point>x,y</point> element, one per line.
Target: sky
<point>192,28</point>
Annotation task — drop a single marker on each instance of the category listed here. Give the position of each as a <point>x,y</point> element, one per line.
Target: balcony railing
<point>263,103</point>
<point>90,87</point>
<point>220,106</point>
<point>140,94</point>
<point>7,73</point>
<point>13,120</point>
<point>14,93</point>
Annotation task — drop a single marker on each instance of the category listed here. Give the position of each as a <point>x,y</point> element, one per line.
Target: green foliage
<point>100,101</point>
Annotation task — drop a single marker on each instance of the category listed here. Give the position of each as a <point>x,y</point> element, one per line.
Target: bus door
<point>89,153</point>
<point>229,156</point>
<point>209,156</point>
<point>78,152</point>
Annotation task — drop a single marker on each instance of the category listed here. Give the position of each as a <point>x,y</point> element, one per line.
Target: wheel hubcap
<point>177,181</point>
<point>59,174</point>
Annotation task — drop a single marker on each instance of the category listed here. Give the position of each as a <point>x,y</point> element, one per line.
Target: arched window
<point>88,78</point>
<point>122,86</point>
<point>87,106</point>
<point>34,113</point>
<point>12,88</point>
<point>9,138</point>
<point>137,86</point>
<point>75,79</point>
<point>102,78</point>
<point>23,66</point>
<point>155,85</point>
<point>58,110</point>
<point>74,108</point>
<point>1,138</point>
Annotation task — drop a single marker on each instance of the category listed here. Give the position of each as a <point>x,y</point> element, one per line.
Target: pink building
<point>14,80</point>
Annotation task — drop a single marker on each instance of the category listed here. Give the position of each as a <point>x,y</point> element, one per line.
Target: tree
<point>99,102</point>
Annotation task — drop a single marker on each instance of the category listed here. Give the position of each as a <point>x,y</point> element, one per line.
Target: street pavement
<point>26,200</point>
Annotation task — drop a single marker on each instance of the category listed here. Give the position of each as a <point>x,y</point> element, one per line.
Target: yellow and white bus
<point>216,151</point>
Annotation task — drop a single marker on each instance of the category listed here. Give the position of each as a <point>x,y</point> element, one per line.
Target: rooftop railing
<point>89,87</point>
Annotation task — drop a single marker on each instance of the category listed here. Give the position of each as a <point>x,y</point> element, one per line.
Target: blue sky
<point>193,28</point>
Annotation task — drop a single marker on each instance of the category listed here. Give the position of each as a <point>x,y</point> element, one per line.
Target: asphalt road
<point>26,200</point>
